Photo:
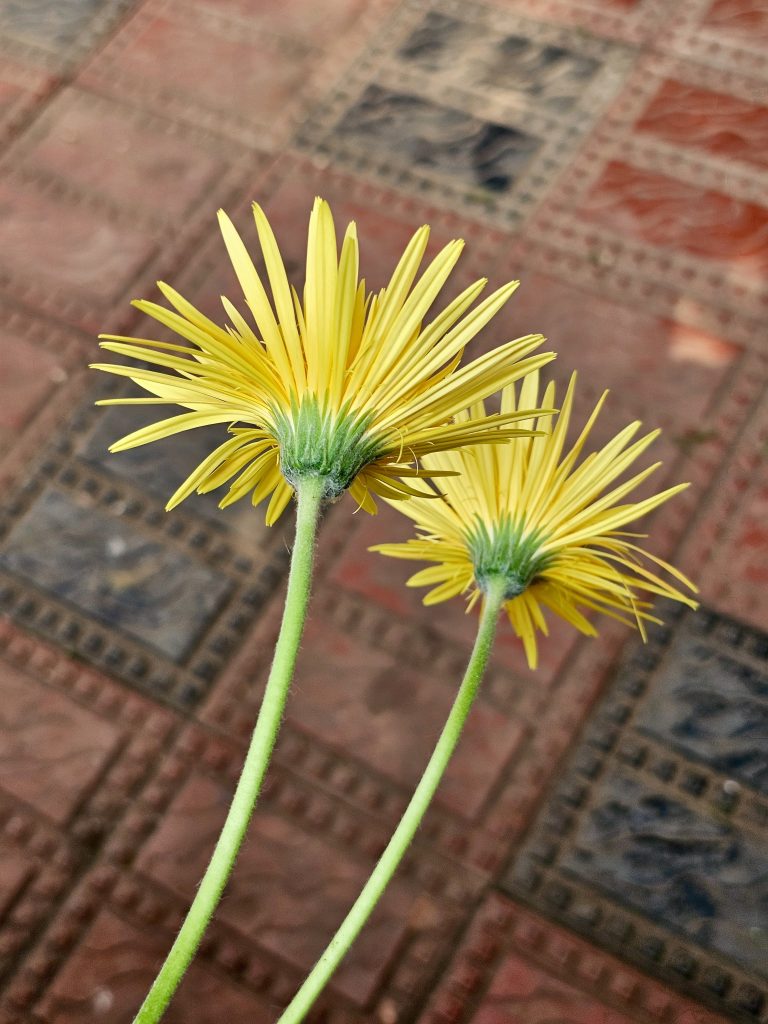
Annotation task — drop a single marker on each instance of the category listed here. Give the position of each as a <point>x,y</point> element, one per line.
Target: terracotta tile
<point>164,55</point>
<point>283,877</point>
<point>382,235</point>
<point>747,18</point>
<point>111,180</point>
<point>384,223</point>
<point>514,967</point>
<point>664,372</point>
<point>49,245</point>
<point>674,214</point>
<point>390,716</point>
<point>51,749</point>
<point>112,969</point>
<point>108,149</point>
<point>523,993</point>
<point>20,88</point>
<point>729,127</point>
<point>296,19</point>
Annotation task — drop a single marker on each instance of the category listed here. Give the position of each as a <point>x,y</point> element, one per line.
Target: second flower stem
<point>302,1002</point>
<point>309,493</point>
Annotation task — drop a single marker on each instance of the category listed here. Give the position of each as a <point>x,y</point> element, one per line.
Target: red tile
<point>514,967</point>
<point>289,890</point>
<point>521,993</point>
<point>724,125</point>
<point>51,749</point>
<point>244,75</point>
<point>660,371</point>
<point>112,968</point>
<point>389,716</point>
<point>59,249</point>
<point>740,17</point>
<point>674,214</point>
<point>298,20</point>
<point>106,148</point>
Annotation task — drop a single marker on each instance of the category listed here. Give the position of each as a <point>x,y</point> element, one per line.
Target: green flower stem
<point>309,491</point>
<point>382,874</point>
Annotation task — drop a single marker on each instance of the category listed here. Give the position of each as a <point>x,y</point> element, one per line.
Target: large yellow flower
<point>548,527</point>
<point>351,387</point>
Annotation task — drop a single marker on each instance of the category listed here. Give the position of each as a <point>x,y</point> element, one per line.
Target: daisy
<point>332,391</point>
<point>531,530</point>
<point>351,387</point>
<point>550,525</point>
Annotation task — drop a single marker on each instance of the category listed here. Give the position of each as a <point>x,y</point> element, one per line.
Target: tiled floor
<point>598,853</point>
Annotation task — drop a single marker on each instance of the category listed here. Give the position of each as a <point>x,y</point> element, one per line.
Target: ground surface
<point>598,852</point>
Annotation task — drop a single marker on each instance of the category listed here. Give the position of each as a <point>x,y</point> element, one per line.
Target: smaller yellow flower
<point>549,528</point>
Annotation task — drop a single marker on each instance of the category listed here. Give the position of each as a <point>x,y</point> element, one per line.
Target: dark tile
<point>674,862</point>
<point>677,865</point>
<point>111,571</point>
<point>553,76</point>
<point>159,468</point>
<point>112,968</point>
<point>480,154</point>
<point>712,706</point>
<point>549,75</point>
<point>49,23</point>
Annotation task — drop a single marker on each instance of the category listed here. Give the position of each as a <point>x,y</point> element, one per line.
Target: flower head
<point>352,387</point>
<point>547,524</point>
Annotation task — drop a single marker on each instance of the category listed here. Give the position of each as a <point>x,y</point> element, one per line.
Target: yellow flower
<point>548,527</point>
<point>351,387</point>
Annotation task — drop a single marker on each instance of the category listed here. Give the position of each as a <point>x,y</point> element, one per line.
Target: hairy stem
<point>309,492</point>
<point>393,854</point>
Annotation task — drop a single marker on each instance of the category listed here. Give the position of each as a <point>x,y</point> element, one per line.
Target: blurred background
<point>597,853</point>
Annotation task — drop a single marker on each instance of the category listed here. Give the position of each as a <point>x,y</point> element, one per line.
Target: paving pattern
<point>598,852</point>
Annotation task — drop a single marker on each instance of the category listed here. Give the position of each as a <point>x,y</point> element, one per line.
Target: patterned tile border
<point>108,72</point>
<point>635,21</point>
<point>224,172</point>
<point>443,891</point>
<point>615,745</point>
<point>691,37</point>
<point>251,574</point>
<point>54,854</point>
<point>233,706</point>
<point>98,304</point>
<point>701,291</point>
<point>502,930</point>
<point>557,135</point>
<point>30,46</point>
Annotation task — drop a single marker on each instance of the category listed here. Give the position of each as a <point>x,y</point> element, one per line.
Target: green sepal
<point>505,551</point>
<point>315,442</point>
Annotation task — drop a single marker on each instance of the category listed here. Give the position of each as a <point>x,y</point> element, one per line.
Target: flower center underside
<point>504,551</point>
<point>316,442</point>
